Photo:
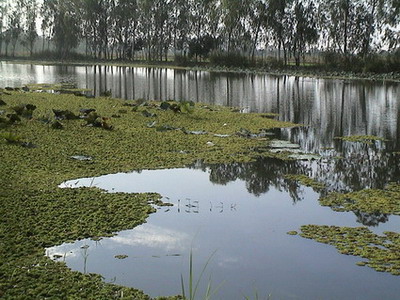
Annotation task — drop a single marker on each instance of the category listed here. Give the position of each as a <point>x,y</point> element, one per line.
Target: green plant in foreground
<point>193,286</point>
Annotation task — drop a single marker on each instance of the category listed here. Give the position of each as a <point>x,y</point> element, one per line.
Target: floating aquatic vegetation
<point>165,127</point>
<point>290,150</point>
<point>293,232</point>
<point>382,252</point>
<point>86,111</point>
<point>151,124</point>
<point>64,115</point>
<point>62,88</point>
<point>195,132</point>
<point>13,118</point>
<point>121,256</point>
<point>10,119</point>
<point>187,107</point>
<point>148,114</point>
<point>37,214</point>
<point>307,181</point>
<point>159,202</point>
<point>24,110</point>
<point>269,115</point>
<point>107,93</point>
<point>243,132</point>
<point>165,105</point>
<point>385,201</point>
<point>57,125</point>
<point>28,145</point>
<point>182,106</point>
<point>365,139</point>
<point>11,138</point>
<point>95,120</point>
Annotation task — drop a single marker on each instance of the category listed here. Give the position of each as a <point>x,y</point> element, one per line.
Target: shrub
<point>229,59</point>
<point>273,63</point>
<point>181,60</point>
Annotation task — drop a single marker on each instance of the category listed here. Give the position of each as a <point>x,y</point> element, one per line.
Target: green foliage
<point>385,201</point>
<point>202,46</point>
<point>372,63</point>
<point>95,120</point>
<point>366,139</point>
<point>229,59</point>
<point>194,285</point>
<point>382,252</point>
<point>273,63</point>
<point>377,63</point>
<point>307,181</point>
<point>11,138</point>
<point>186,107</point>
<point>37,214</point>
<point>24,110</point>
<point>181,60</point>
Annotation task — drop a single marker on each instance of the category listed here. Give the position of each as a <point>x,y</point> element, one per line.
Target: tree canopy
<point>195,28</point>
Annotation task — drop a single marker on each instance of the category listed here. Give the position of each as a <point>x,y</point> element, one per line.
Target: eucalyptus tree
<point>3,20</point>
<point>66,30</point>
<point>46,26</point>
<point>96,25</point>
<point>257,22</point>
<point>156,27</point>
<point>349,25</point>
<point>280,25</point>
<point>181,25</point>
<point>305,31</point>
<point>234,17</point>
<point>206,29</point>
<point>389,18</point>
<point>162,37</point>
<point>15,25</point>
<point>30,10</point>
<point>146,28</point>
<point>125,27</point>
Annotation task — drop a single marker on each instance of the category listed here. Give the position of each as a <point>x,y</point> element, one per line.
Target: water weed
<point>37,214</point>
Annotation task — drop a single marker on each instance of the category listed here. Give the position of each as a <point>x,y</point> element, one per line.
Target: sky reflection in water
<point>244,218</point>
<point>243,211</point>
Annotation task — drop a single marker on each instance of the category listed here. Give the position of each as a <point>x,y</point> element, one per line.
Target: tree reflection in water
<point>347,167</point>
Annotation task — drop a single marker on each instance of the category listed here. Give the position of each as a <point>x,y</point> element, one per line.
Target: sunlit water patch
<point>242,212</point>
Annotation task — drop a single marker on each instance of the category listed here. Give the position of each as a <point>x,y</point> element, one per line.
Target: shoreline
<point>203,67</point>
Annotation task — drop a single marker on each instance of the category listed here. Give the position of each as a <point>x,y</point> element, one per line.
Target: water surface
<point>243,215</point>
<point>243,211</point>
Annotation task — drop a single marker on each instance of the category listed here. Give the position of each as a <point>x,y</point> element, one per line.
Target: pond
<point>328,107</point>
<point>237,216</point>
<point>242,212</point>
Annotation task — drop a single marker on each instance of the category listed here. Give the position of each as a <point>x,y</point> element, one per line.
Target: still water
<point>328,108</point>
<point>241,212</point>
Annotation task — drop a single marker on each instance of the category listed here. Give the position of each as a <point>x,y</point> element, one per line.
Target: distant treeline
<point>226,32</point>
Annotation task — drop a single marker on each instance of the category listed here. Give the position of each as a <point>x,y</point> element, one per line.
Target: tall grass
<point>194,284</point>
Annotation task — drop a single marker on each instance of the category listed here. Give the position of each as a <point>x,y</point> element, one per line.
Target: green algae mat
<point>46,139</point>
<point>381,252</point>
